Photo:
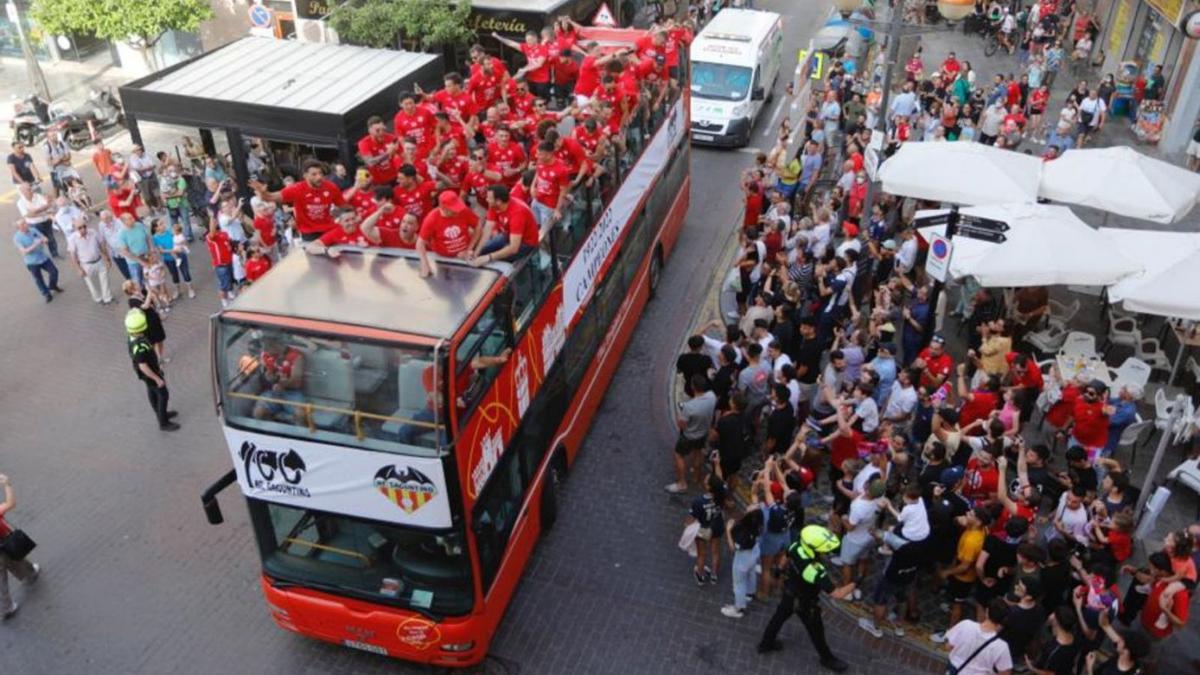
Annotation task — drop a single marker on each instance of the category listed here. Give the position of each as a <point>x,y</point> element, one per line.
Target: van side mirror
<point>758,94</point>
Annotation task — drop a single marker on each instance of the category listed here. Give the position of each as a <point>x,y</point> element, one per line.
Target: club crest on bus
<point>408,488</point>
<point>270,464</point>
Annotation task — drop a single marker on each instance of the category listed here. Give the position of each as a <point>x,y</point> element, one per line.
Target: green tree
<point>420,23</point>
<point>140,23</point>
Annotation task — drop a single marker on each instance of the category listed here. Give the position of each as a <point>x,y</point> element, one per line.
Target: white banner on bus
<point>580,278</point>
<point>376,485</point>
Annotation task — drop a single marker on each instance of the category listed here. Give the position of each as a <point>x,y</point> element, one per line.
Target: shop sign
<point>1190,25</point>
<point>314,9</point>
<point>509,24</point>
<point>1172,10</point>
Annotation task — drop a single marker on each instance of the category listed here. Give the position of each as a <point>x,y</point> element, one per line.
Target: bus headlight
<point>458,646</point>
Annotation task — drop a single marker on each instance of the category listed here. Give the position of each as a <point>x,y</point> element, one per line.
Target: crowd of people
<point>826,397</point>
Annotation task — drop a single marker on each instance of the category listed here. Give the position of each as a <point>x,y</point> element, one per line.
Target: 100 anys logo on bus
<point>274,471</point>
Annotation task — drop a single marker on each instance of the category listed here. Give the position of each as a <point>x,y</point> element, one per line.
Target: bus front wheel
<point>554,476</point>
<point>656,267</point>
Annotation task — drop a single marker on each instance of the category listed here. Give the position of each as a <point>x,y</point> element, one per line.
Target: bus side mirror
<point>758,94</point>
<point>212,510</point>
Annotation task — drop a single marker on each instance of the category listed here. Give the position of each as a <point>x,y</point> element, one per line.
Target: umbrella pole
<point>1176,412</point>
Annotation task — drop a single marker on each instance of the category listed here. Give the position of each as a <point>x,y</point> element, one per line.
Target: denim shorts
<point>224,277</point>
<point>772,543</point>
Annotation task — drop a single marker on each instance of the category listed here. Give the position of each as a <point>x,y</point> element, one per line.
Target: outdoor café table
<point>1090,365</point>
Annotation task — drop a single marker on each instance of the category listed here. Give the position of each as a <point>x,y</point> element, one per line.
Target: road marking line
<point>749,150</point>
<point>774,116</point>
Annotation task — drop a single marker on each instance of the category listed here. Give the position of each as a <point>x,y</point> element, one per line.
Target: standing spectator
<point>976,647</point>
<point>855,555</point>
<point>110,228</point>
<point>1026,618</point>
<point>66,214</point>
<point>58,157</point>
<point>707,512</point>
<point>23,570</point>
<point>894,585</point>
<point>961,577</point>
<point>143,167</point>
<point>1131,649</point>
<point>1059,656</point>
<point>742,537</point>
<point>102,159</point>
<point>220,252</point>
<point>147,368</point>
<point>33,247</point>
<point>694,419</point>
<point>693,362</point>
<point>38,212</point>
<point>1166,608</point>
<point>173,189</point>
<point>21,166</point>
<point>179,251</point>
<point>89,254</point>
<point>135,246</point>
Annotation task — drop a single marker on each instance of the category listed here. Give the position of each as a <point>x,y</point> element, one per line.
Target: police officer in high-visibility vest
<point>147,368</point>
<point>806,577</point>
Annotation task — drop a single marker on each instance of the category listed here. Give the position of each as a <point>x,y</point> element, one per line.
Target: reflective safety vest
<point>803,565</point>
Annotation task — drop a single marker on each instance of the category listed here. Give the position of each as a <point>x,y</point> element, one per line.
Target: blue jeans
<point>179,214</point>
<point>122,266</point>
<point>408,433</point>
<point>745,579</point>
<point>180,268</point>
<point>47,230</point>
<point>45,267</point>
<point>135,272</point>
<point>499,241</point>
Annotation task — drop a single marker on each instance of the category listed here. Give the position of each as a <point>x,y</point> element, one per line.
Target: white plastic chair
<point>1193,367</point>
<point>1150,351</point>
<point>1162,410</point>
<point>1063,313</point>
<point>1123,332</point>
<point>1187,474</point>
<point>1132,371</point>
<point>1048,340</point>
<point>1134,436</point>
<point>1079,344</point>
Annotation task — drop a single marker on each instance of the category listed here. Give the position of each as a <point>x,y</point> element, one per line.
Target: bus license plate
<point>366,647</point>
<point>703,137</point>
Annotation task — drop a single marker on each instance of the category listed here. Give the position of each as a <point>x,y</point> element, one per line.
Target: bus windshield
<point>426,571</point>
<point>336,390</point>
<point>720,81</point>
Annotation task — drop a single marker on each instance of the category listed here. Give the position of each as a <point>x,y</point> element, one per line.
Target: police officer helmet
<point>135,321</point>
<point>819,539</point>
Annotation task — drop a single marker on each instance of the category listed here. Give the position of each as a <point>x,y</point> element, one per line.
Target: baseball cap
<point>951,476</point>
<point>889,244</point>
<point>448,199</point>
<point>889,347</point>
<point>938,338</point>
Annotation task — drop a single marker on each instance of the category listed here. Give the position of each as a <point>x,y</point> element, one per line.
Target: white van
<point>736,61</point>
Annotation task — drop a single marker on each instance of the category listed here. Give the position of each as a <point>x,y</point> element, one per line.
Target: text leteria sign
<point>375,485</point>
<point>599,248</point>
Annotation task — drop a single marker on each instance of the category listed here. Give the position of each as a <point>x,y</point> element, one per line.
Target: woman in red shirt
<point>979,403</point>
<point>23,570</point>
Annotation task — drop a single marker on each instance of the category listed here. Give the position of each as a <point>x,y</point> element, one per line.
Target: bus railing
<point>307,408</point>
<point>332,549</point>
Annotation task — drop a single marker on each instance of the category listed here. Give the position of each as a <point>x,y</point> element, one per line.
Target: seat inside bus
<point>411,395</point>
<point>370,366</point>
<point>329,382</point>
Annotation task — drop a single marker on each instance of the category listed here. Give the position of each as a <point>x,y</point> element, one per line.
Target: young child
<point>179,251</point>
<point>912,521</point>
<point>257,265</point>
<point>157,290</point>
<point>239,264</point>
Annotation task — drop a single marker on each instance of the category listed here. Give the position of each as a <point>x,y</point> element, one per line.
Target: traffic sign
<point>937,263</point>
<point>604,17</point>
<point>984,223</point>
<point>261,16</point>
<point>990,236</point>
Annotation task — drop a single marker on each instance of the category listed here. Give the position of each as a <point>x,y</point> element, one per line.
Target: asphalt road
<point>136,581</point>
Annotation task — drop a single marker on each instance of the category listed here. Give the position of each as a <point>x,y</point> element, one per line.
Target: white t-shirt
<point>867,474</point>
<point>906,257</point>
<point>902,401</point>
<point>914,521</point>
<point>778,364</point>
<point>819,239</point>
<point>967,636</point>
<point>862,517</point>
<point>868,411</point>
<point>1074,522</point>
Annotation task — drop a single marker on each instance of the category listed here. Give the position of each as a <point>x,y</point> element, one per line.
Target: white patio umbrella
<point>1121,180</point>
<point>1169,292</point>
<point>961,173</point>
<point>1154,250</point>
<point>1045,245</point>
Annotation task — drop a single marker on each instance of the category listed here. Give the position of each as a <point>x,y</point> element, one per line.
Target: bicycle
<point>992,44</point>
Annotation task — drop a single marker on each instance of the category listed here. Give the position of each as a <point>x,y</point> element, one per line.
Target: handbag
<point>17,545</point>
<point>952,669</point>
<point>687,541</point>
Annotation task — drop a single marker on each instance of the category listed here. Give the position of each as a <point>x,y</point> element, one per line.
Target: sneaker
<point>675,488</point>
<point>56,289</point>
<point>191,293</point>
<point>712,578</point>
<point>938,638</point>
<point>169,426</point>
<point>772,646</point>
<point>12,609</point>
<point>869,626</point>
<point>699,576</point>
<point>856,595</point>
<point>885,550</point>
<point>898,630</point>
<point>732,612</point>
<point>835,664</point>
<point>37,572</point>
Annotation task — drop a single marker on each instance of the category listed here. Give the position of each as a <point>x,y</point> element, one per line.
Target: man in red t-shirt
<point>486,79</point>
<point>220,252</point>
<point>550,186</point>
<point>1089,422</point>
<point>404,235</point>
<point>509,228</point>
<point>311,199</point>
<point>413,194</point>
<point>377,149</point>
<point>449,230</point>
<point>982,478</point>
<point>453,99</point>
<point>1156,621</point>
<point>413,121</point>
<point>934,363</point>
<point>507,155</point>
<point>351,231</point>
<point>480,175</point>
<point>536,70</point>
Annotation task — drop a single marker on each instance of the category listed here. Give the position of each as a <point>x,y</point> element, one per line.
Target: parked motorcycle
<point>83,125</point>
<point>31,118</point>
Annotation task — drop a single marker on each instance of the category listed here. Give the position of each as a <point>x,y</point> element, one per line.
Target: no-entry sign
<point>937,263</point>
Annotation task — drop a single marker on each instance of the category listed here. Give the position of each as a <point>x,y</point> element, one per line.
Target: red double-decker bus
<point>398,439</point>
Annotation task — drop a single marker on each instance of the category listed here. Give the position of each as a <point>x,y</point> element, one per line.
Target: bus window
<point>481,353</point>
<point>327,389</point>
<point>423,570</point>
<point>531,281</point>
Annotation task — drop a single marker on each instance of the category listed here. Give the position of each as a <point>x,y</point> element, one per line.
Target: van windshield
<point>720,81</point>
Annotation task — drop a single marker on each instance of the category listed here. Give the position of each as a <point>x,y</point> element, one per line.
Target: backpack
<point>777,520</point>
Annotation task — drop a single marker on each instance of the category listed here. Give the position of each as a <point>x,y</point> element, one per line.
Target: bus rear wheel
<point>656,267</point>
<point>554,477</point>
